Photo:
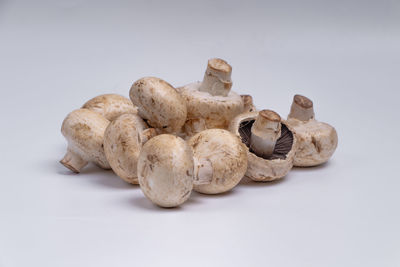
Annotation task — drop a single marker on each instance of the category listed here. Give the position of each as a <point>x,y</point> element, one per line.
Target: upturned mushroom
<point>317,140</point>
<point>165,170</point>
<point>123,140</point>
<point>159,104</point>
<point>220,161</point>
<point>84,131</point>
<point>211,103</point>
<point>110,106</point>
<point>270,142</point>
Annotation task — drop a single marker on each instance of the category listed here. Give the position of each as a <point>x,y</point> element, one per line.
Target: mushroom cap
<point>84,131</point>
<point>110,106</point>
<point>159,103</point>
<point>122,145</point>
<point>217,111</point>
<point>281,161</point>
<point>317,142</point>
<point>224,153</point>
<point>165,170</point>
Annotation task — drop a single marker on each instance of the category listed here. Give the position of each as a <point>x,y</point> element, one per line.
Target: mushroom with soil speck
<point>123,140</point>
<point>211,103</point>
<point>271,144</point>
<point>165,170</point>
<point>220,161</point>
<point>317,140</point>
<point>110,106</point>
<point>84,131</point>
<point>159,104</point>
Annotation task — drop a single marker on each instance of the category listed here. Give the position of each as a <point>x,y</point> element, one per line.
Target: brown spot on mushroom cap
<point>303,101</point>
<point>270,115</point>
<point>219,65</point>
<point>316,144</point>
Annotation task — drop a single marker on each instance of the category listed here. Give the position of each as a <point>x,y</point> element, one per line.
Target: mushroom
<point>159,104</point>
<point>210,103</point>
<point>270,142</point>
<point>110,106</point>
<point>248,105</point>
<point>317,140</point>
<point>165,170</point>
<point>84,131</point>
<point>123,140</point>
<point>220,161</point>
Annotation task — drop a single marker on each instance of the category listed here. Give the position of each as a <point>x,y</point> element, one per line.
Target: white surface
<point>55,55</point>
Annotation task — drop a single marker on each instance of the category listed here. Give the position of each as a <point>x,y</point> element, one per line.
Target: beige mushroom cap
<point>281,161</point>
<point>110,106</point>
<point>220,161</point>
<point>159,103</point>
<point>211,103</point>
<point>165,170</point>
<point>216,111</point>
<point>123,140</point>
<point>84,131</point>
<point>317,140</point>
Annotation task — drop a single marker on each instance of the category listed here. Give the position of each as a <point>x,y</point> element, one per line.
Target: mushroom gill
<point>283,144</point>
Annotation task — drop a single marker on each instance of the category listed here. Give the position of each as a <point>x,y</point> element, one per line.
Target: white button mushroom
<point>317,140</point>
<point>159,104</point>
<point>110,106</point>
<point>211,100</point>
<point>165,170</point>
<point>84,131</point>
<point>123,140</point>
<point>220,161</point>
<point>271,144</point>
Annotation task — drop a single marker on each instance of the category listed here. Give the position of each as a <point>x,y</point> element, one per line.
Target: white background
<point>55,55</point>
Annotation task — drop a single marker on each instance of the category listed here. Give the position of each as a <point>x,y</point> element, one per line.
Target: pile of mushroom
<point>201,136</point>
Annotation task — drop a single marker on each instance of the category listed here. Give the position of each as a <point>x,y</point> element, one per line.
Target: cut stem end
<point>73,162</point>
<point>302,108</point>
<point>217,79</point>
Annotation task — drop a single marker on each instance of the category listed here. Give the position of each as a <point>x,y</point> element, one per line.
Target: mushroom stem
<point>73,161</point>
<point>203,172</point>
<point>248,105</point>
<point>302,108</point>
<point>264,133</point>
<point>217,79</point>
